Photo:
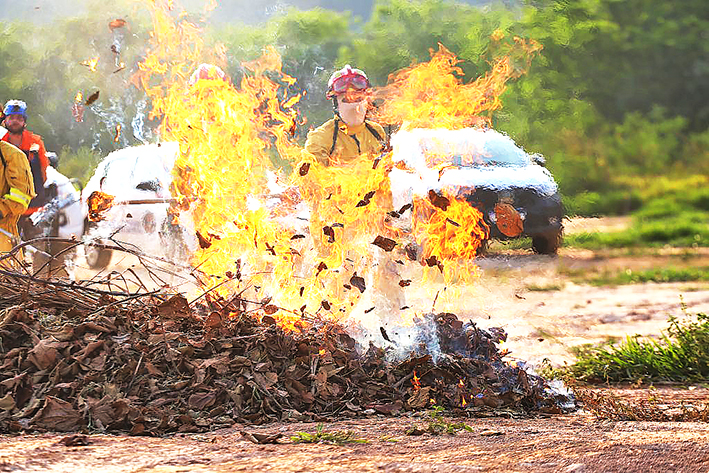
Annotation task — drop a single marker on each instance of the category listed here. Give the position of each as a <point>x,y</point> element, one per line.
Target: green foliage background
<point>619,95</point>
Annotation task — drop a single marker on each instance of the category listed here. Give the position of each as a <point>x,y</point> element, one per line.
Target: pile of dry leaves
<point>152,364</point>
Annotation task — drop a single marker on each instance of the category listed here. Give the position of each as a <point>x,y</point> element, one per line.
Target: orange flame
<point>432,94</point>
<point>99,203</point>
<point>450,231</point>
<point>91,64</point>
<point>416,382</point>
<point>229,135</point>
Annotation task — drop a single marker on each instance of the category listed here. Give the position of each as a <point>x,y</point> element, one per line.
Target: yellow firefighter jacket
<point>334,142</point>
<point>16,191</point>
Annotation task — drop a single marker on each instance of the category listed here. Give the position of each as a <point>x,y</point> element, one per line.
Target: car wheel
<point>97,257</point>
<point>547,244</point>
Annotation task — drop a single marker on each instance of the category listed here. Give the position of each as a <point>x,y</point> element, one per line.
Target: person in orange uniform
<point>349,134</point>
<point>15,120</point>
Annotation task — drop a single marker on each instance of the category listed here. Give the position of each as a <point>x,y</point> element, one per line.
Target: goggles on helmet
<point>347,78</point>
<point>15,107</point>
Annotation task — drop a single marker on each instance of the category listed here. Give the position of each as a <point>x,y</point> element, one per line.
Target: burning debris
<point>300,274</point>
<point>152,363</point>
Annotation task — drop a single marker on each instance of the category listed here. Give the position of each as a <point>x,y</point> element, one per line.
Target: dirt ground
<point>545,313</point>
<point>572,443</point>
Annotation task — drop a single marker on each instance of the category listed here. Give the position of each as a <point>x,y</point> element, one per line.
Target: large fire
<point>316,242</point>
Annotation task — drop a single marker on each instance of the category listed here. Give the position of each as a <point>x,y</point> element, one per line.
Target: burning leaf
<point>98,203</point>
<point>117,23</point>
<point>405,282</point>
<point>405,208</point>
<point>270,309</point>
<point>411,251</point>
<point>366,200</point>
<point>304,169</point>
<point>369,310</point>
<point>297,237</point>
<point>92,98</point>
<point>452,222</point>
<point>386,244</point>
<point>91,64</point>
<point>438,200</point>
<point>385,335</point>
<point>326,305</point>
<point>358,282</point>
<point>203,242</point>
<point>321,267</point>
<point>329,233</point>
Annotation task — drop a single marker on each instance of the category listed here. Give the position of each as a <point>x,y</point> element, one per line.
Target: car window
<point>488,149</point>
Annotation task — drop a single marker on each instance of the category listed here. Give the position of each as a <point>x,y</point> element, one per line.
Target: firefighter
<point>347,137</point>
<point>16,192</point>
<point>15,120</point>
<point>349,134</point>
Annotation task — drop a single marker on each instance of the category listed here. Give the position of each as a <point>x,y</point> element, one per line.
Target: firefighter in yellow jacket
<point>16,191</point>
<point>347,137</point>
<point>349,134</point>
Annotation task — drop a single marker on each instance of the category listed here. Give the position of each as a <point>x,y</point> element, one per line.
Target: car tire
<point>547,244</point>
<point>96,256</point>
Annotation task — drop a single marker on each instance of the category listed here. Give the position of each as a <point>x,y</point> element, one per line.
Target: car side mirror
<point>539,159</point>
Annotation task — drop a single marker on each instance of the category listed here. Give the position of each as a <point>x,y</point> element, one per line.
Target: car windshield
<point>496,150</point>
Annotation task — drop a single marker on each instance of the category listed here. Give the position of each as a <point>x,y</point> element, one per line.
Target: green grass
<point>438,425</point>
<point>671,274</point>
<point>681,354</point>
<point>688,229</point>
<point>666,212</point>
<point>339,437</point>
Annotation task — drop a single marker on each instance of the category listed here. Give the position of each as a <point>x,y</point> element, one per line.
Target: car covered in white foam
<point>137,173</point>
<point>516,194</point>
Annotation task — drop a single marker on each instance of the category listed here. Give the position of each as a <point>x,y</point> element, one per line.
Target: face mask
<point>352,113</point>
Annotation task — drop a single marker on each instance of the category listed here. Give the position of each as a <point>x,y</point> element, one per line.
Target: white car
<point>137,173</point>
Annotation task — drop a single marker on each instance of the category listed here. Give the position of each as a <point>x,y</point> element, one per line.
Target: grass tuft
<point>339,437</point>
<point>682,354</point>
<point>438,425</point>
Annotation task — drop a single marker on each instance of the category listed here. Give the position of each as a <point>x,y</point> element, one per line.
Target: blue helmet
<point>15,107</point>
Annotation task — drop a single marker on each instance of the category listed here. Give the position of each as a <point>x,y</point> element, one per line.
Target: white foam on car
<point>513,166</point>
<point>118,174</point>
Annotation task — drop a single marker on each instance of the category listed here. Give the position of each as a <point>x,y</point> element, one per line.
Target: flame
<point>79,97</point>
<point>450,231</point>
<point>91,64</point>
<point>416,382</point>
<point>230,133</point>
<point>99,203</point>
<point>322,352</point>
<point>117,135</point>
<point>433,95</point>
<point>463,402</point>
